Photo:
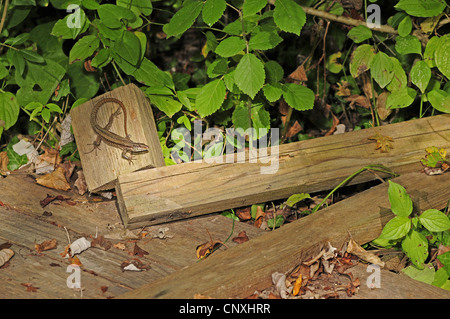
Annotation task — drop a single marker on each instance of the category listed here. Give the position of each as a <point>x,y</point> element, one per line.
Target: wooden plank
<point>102,166</point>
<point>395,286</point>
<point>191,189</point>
<point>23,225</point>
<point>249,266</point>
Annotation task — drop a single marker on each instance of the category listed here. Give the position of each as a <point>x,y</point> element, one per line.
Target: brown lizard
<point>103,133</point>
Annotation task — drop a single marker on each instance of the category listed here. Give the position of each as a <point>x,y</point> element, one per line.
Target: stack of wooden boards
<point>150,193</point>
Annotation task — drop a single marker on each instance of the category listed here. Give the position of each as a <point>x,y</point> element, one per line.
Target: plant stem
<point>379,168</point>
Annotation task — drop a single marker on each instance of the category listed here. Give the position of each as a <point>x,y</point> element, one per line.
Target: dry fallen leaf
<point>51,198</point>
<point>205,249</point>
<point>138,251</point>
<point>80,183</point>
<point>244,213</point>
<point>384,143</point>
<point>241,238</point>
<point>297,285</point>
<point>358,251</point>
<point>56,180</point>
<point>46,245</point>
<point>50,155</point>
<point>5,255</point>
<point>299,75</point>
<point>134,265</point>
<point>30,287</point>
<point>101,242</point>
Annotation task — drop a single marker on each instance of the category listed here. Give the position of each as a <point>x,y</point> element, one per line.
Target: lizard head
<point>140,147</point>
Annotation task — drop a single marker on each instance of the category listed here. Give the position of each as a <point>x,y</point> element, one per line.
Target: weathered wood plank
<point>395,286</point>
<point>191,189</point>
<point>23,225</point>
<point>102,166</point>
<point>249,266</point>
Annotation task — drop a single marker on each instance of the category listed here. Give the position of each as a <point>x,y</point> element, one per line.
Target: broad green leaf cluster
<point>413,233</point>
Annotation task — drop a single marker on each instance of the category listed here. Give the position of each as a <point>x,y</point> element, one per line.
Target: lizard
<point>103,133</point>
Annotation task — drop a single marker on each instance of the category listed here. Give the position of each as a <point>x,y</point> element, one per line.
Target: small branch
<point>4,15</point>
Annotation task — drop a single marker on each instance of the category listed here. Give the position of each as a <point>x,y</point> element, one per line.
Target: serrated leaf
<point>250,7</point>
<point>149,74</point>
<point>415,245</point>
<point>183,19</point>
<point>298,96</point>
<point>408,44</point>
<point>258,118</point>
<point>361,59</point>
<point>434,220</point>
<point>217,67</point>
<point>442,55</point>
<point>213,10</point>
<point>84,47</point>
<point>249,75</point>
<point>264,40</point>
<point>166,104</point>
<point>405,27</point>
<point>289,16</point>
<point>230,46</point>
<point>440,100</point>
<point>401,98</point>
<point>382,69</point>
<point>272,92</point>
<point>421,8</point>
<point>274,71</point>
<point>210,98</point>
<point>396,228</point>
<point>421,75</point>
<point>401,203</point>
<point>360,33</point>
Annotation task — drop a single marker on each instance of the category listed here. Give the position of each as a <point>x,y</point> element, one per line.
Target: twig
<point>5,9</point>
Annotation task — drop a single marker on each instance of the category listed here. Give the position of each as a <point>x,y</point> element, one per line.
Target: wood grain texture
<point>191,189</point>
<point>102,166</point>
<point>239,271</point>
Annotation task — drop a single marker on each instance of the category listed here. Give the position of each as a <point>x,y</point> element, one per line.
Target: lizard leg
<point>128,158</point>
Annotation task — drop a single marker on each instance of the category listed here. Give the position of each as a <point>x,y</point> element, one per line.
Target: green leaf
<point>17,60</point>
<point>213,10</point>
<point>272,92</point>
<point>83,48</point>
<point>430,49</point>
<point>210,98</point>
<point>399,80</point>
<point>361,59</point>
<point>298,96</point>
<point>420,75</point>
<point>128,48</point>
<point>275,222</point>
<point>440,277</point>
<point>15,160</point>
<point>294,199</point>
<point>289,16</point>
<point>424,274</point>
<point>258,118</point>
<point>401,98</point>
<point>401,203</point>
<point>183,19</point>
<point>408,44</point>
<point>434,220</point>
<point>396,228</point>
<point>421,8</point>
<point>230,46</point>
<point>62,29</point>
<point>82,83</point>
<point>149,74</point>
<point>9,110</point>
<point>440,100</point>
<point>39,82</point>
<point>382,69</point>
<point>250,7</point>
<point>445,260</point>
<point>114,16</point>
<point>415,245</point>
<point>249,75</point>
<point>442,55</point>
<point>264,41</point>
<point>274,71</point>
<point>218,67</point>
<point>405,27</point>
<point>360,33</point>
<point>101,59</point>
<point>166,104</point>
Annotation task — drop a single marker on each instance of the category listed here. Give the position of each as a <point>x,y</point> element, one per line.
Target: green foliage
<point>240,75</point>
<point>413,234</point>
